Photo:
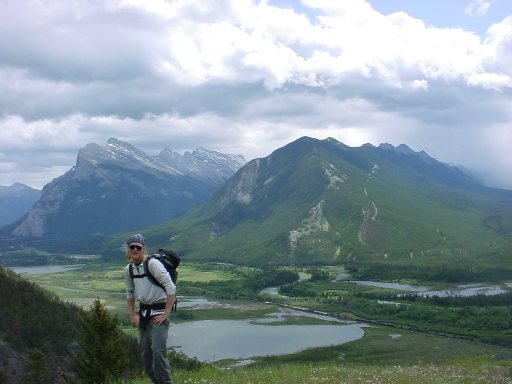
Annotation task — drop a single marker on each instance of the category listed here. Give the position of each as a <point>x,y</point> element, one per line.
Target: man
<point>154,308</point>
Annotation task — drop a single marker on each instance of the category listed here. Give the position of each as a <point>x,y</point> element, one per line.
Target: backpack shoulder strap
<point>150,275</point>
<point>130,268</point>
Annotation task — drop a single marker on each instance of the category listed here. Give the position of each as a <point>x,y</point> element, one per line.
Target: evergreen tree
<point>3,377</point>
<point>103,356</point>
<point>37,368</point>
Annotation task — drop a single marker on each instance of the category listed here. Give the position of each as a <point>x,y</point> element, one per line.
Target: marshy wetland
<point>217,321</point>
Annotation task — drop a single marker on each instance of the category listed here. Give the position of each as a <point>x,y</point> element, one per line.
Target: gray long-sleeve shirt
<point>142,289</point>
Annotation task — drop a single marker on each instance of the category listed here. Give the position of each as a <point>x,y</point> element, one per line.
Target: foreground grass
<point>465,371</point>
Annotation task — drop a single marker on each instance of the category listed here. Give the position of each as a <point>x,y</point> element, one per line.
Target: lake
<point>212,340</point>
<point>41,270</point>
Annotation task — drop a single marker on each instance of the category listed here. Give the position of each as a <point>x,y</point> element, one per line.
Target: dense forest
<point>40,335</point>
<point>447,269</point>
<point>34,317</point>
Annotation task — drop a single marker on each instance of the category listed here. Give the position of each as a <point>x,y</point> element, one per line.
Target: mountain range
<point>118,188</point>
<point>384,212</point>
<point>15,201</point>
<point>374,209</point>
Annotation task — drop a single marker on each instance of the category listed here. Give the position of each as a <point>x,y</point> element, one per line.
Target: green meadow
<point>383,355</point>
<point>83,283</point>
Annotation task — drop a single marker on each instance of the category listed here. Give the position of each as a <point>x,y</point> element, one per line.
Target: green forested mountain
<point>33,321</point>
<point>32,316</point>
<point>383,211</point>
<point>43,339</point>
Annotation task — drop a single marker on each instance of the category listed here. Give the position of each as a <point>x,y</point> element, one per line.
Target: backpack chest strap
<point>147,274</point>
<point>141,275</point>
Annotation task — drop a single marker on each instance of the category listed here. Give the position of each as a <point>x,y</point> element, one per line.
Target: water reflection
<point>461,291</point>
<point>212,340</point>
<point>43,270</point>
<point>286,313</point>
<point>403,287</point>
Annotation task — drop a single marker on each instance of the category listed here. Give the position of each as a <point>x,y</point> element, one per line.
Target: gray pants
<point>153,343</point>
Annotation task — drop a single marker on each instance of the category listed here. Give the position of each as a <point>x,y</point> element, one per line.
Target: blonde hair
<point>127,255</point>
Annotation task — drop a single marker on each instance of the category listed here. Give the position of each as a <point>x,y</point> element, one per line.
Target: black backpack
<point>170,260</point>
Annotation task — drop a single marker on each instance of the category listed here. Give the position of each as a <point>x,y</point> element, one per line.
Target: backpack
<point>170,260</point>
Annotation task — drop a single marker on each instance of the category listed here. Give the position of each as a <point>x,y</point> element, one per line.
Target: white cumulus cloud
<point>245,76</point>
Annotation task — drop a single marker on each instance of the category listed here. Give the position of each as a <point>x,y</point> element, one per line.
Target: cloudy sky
<point>247,77</point>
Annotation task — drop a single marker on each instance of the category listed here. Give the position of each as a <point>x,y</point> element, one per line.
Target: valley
<point>215,294</point>
<point>382,256</point>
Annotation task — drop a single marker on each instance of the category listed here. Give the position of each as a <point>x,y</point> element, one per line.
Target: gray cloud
<point>245,78</point>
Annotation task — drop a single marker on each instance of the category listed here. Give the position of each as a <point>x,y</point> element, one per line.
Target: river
<point>455,290</point>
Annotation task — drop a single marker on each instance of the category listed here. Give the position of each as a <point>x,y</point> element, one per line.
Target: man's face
<point>136,252</point>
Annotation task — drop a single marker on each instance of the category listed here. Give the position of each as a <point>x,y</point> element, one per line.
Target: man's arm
<point>134,318</point>
<point>159,319</point>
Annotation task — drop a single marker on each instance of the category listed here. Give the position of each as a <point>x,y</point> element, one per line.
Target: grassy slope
<point>464,371</point>
<point>436,221</point>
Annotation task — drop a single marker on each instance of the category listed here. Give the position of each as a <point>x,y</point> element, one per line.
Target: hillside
<point>40,334</point>
<point>33,318</point>
<point>383,211</point>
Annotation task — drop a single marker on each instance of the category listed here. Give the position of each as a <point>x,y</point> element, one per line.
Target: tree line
<point>59,341</point>
<point>427,270</point>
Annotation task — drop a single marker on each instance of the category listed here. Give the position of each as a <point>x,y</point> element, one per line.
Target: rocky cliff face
<point>118,188</point>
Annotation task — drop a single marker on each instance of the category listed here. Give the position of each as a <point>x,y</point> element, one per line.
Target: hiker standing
<point>154,308</point>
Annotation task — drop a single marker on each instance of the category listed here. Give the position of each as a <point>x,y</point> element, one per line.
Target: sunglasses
<point>137,247</point>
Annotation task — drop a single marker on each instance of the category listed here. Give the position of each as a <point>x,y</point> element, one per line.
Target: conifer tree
<point>3,377</point>
<point>103,356</point>
<point>37,371</point>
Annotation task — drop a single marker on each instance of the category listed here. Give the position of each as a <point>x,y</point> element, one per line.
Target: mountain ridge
<point>383,212</point>
<point>319,201</point>
<point>98,194</point>
<point>15,201</point>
